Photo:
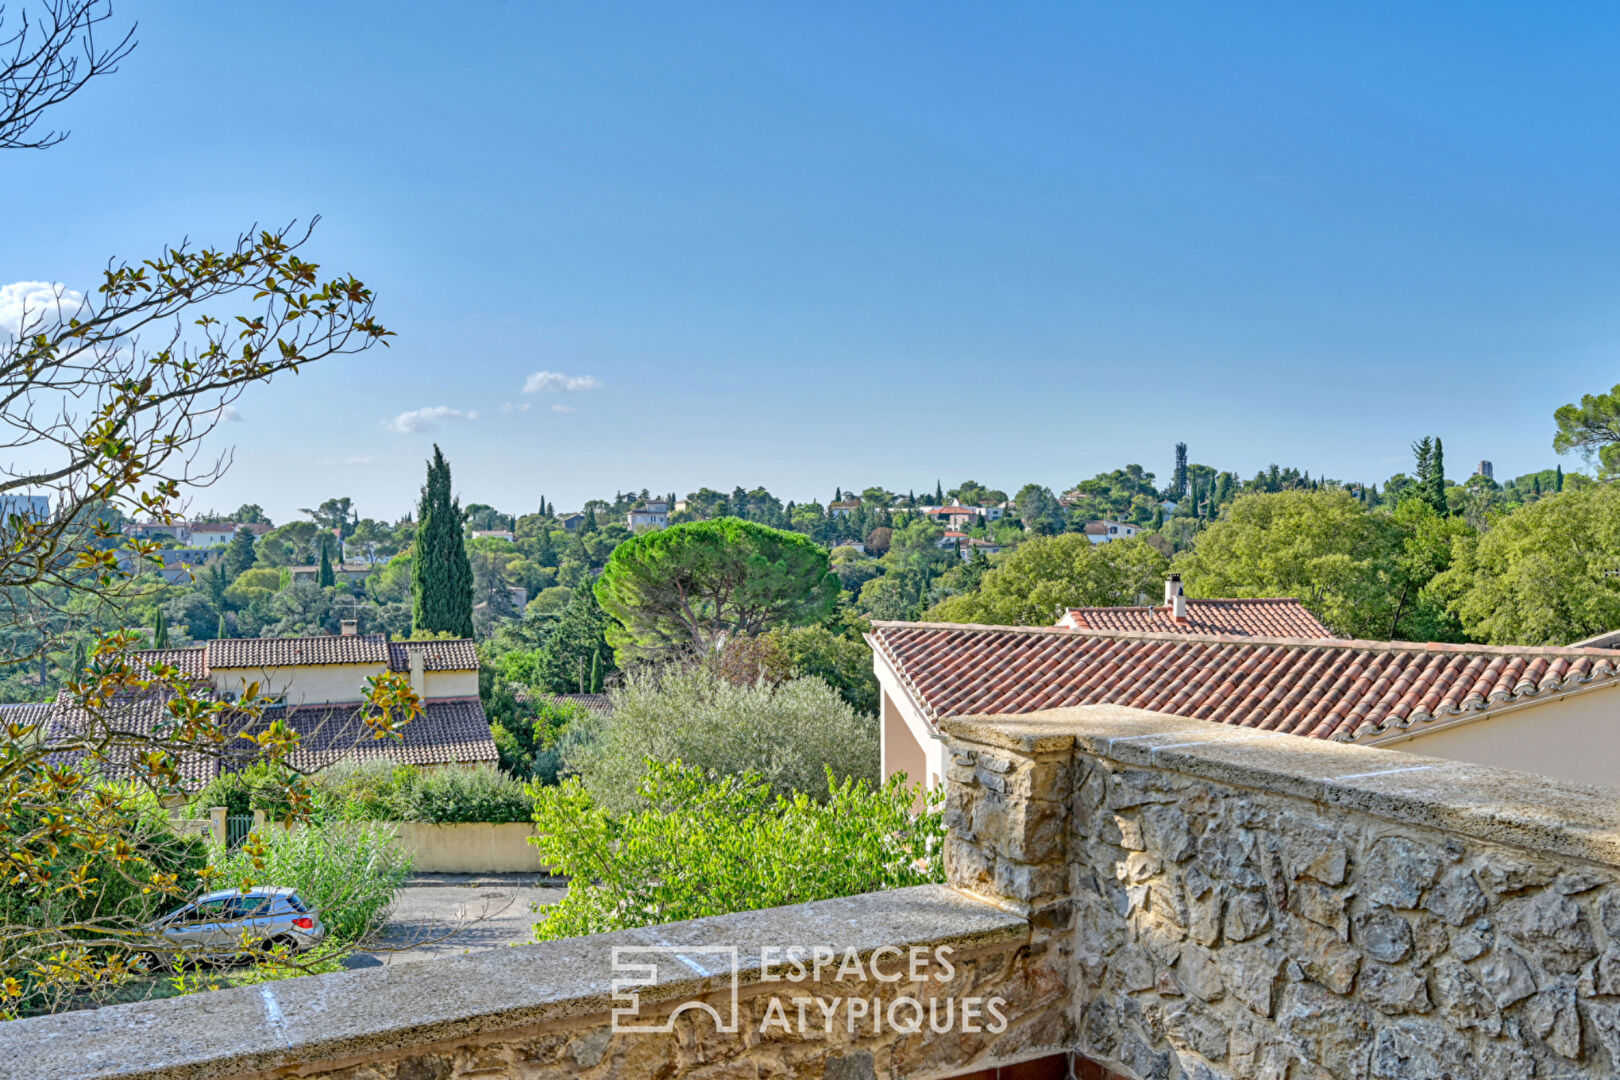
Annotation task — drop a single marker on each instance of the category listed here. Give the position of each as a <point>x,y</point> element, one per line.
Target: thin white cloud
<point>563,408</point>
<point>554,382</point>
<point>509,408</point>
<point>230,414</point>
<point>38,301</point>
<point>426,419</point>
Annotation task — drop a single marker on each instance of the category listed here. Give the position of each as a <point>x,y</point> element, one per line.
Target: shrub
<point>349,872</point>
<point>380,791</point>
<point>703,846</point>
<point>794,735</point>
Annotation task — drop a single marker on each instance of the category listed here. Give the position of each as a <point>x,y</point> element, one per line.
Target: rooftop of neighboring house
<point>337,568</point>
<point>596,703</point>
<point>257,528</point>
<point>458,654</point>
<point>844,504</point>
<point>1272,617</point>
<point>1328,689</point>
<point>449,730</point>
<point>956,508</point>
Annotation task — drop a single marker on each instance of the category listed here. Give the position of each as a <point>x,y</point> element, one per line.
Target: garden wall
<point>546,1010</point>
<point>1252,905</point>
<point>473,848</point>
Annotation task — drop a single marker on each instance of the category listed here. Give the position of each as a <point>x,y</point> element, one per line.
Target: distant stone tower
<point>1485,470</point>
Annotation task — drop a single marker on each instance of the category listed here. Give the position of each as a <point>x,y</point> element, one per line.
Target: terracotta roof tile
<point>1322,688</point>
<point>1280,617</point>
<point>290,651</point>
<point>447,732</point>
<point>459,654</point>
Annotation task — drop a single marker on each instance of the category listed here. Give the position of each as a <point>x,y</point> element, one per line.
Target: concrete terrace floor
<point>439,915</point>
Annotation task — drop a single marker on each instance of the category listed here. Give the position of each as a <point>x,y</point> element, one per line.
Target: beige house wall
<point>312,684</point>
<point>317,684</point>
<point>472,848</point>
<point>907,742</point>
<point>451,684</point>
<point>1572,737</point>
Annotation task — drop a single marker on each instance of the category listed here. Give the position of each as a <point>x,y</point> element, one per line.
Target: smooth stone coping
<point>377,1010</point>
<point>1525,810</point>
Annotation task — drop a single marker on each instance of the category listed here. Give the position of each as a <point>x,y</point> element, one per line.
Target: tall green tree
<point>160,630</point>
<point>324,577</point>
<point>441,573</point>
<point>575,654</point>
<point>240,554</point>
<point>1437,478</point>
<point>690,587</point>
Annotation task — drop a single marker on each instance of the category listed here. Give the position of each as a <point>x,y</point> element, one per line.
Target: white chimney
<point>349,627</point>
<point>418,672</point>
<point>1174,598</point>
<point>1172,589</point>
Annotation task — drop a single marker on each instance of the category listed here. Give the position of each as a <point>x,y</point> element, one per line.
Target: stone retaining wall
<point>1251,905</point>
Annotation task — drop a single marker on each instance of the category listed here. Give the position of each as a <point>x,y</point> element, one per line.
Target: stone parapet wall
<point>544,1011</point>
<point>1246,905</point>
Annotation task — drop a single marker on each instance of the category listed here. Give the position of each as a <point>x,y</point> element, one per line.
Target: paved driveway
<point>440,915</point>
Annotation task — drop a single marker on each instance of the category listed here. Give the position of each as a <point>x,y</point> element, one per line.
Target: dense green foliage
<point>441,575</point>
<point>1046,574</point>
<point>1544,575</point>
<point>378,791</point>
<point>697,846</point>
<point>687,588</point>
<point>791,734</point>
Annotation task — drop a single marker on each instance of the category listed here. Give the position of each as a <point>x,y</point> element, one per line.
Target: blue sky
<point>824,245</point>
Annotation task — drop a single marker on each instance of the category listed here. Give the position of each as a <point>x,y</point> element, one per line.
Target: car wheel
<point>272,944</point>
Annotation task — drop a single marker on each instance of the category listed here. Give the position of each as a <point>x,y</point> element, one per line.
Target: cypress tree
<point>939,493</point>
<point>596,672</point>
<point>224,631</point>
<point>441,574</point>
<point>1178,480</point>
<point>324,577</point>
<point>590,520</point>
<point>1558,480</point>
<point>1437,477</point>
<point>160,630</point>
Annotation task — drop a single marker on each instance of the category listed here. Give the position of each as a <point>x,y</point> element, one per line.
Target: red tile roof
<point>292,651</point>
<point>447,732</point>
<point>1282,617</point>
<point>459,654</point>
<point>1338,689</point>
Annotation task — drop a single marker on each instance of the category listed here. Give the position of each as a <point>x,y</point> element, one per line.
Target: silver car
<point>225,924</point>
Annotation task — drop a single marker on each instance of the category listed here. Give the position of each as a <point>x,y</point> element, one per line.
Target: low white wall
<point>474,848</point>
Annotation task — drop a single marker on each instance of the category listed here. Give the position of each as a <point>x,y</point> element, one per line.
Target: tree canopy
<point>1322,547</point>
<point>1543,575</point>
<point>689,587</point>
<point>1592,429</point>
<point>1032,585</point>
